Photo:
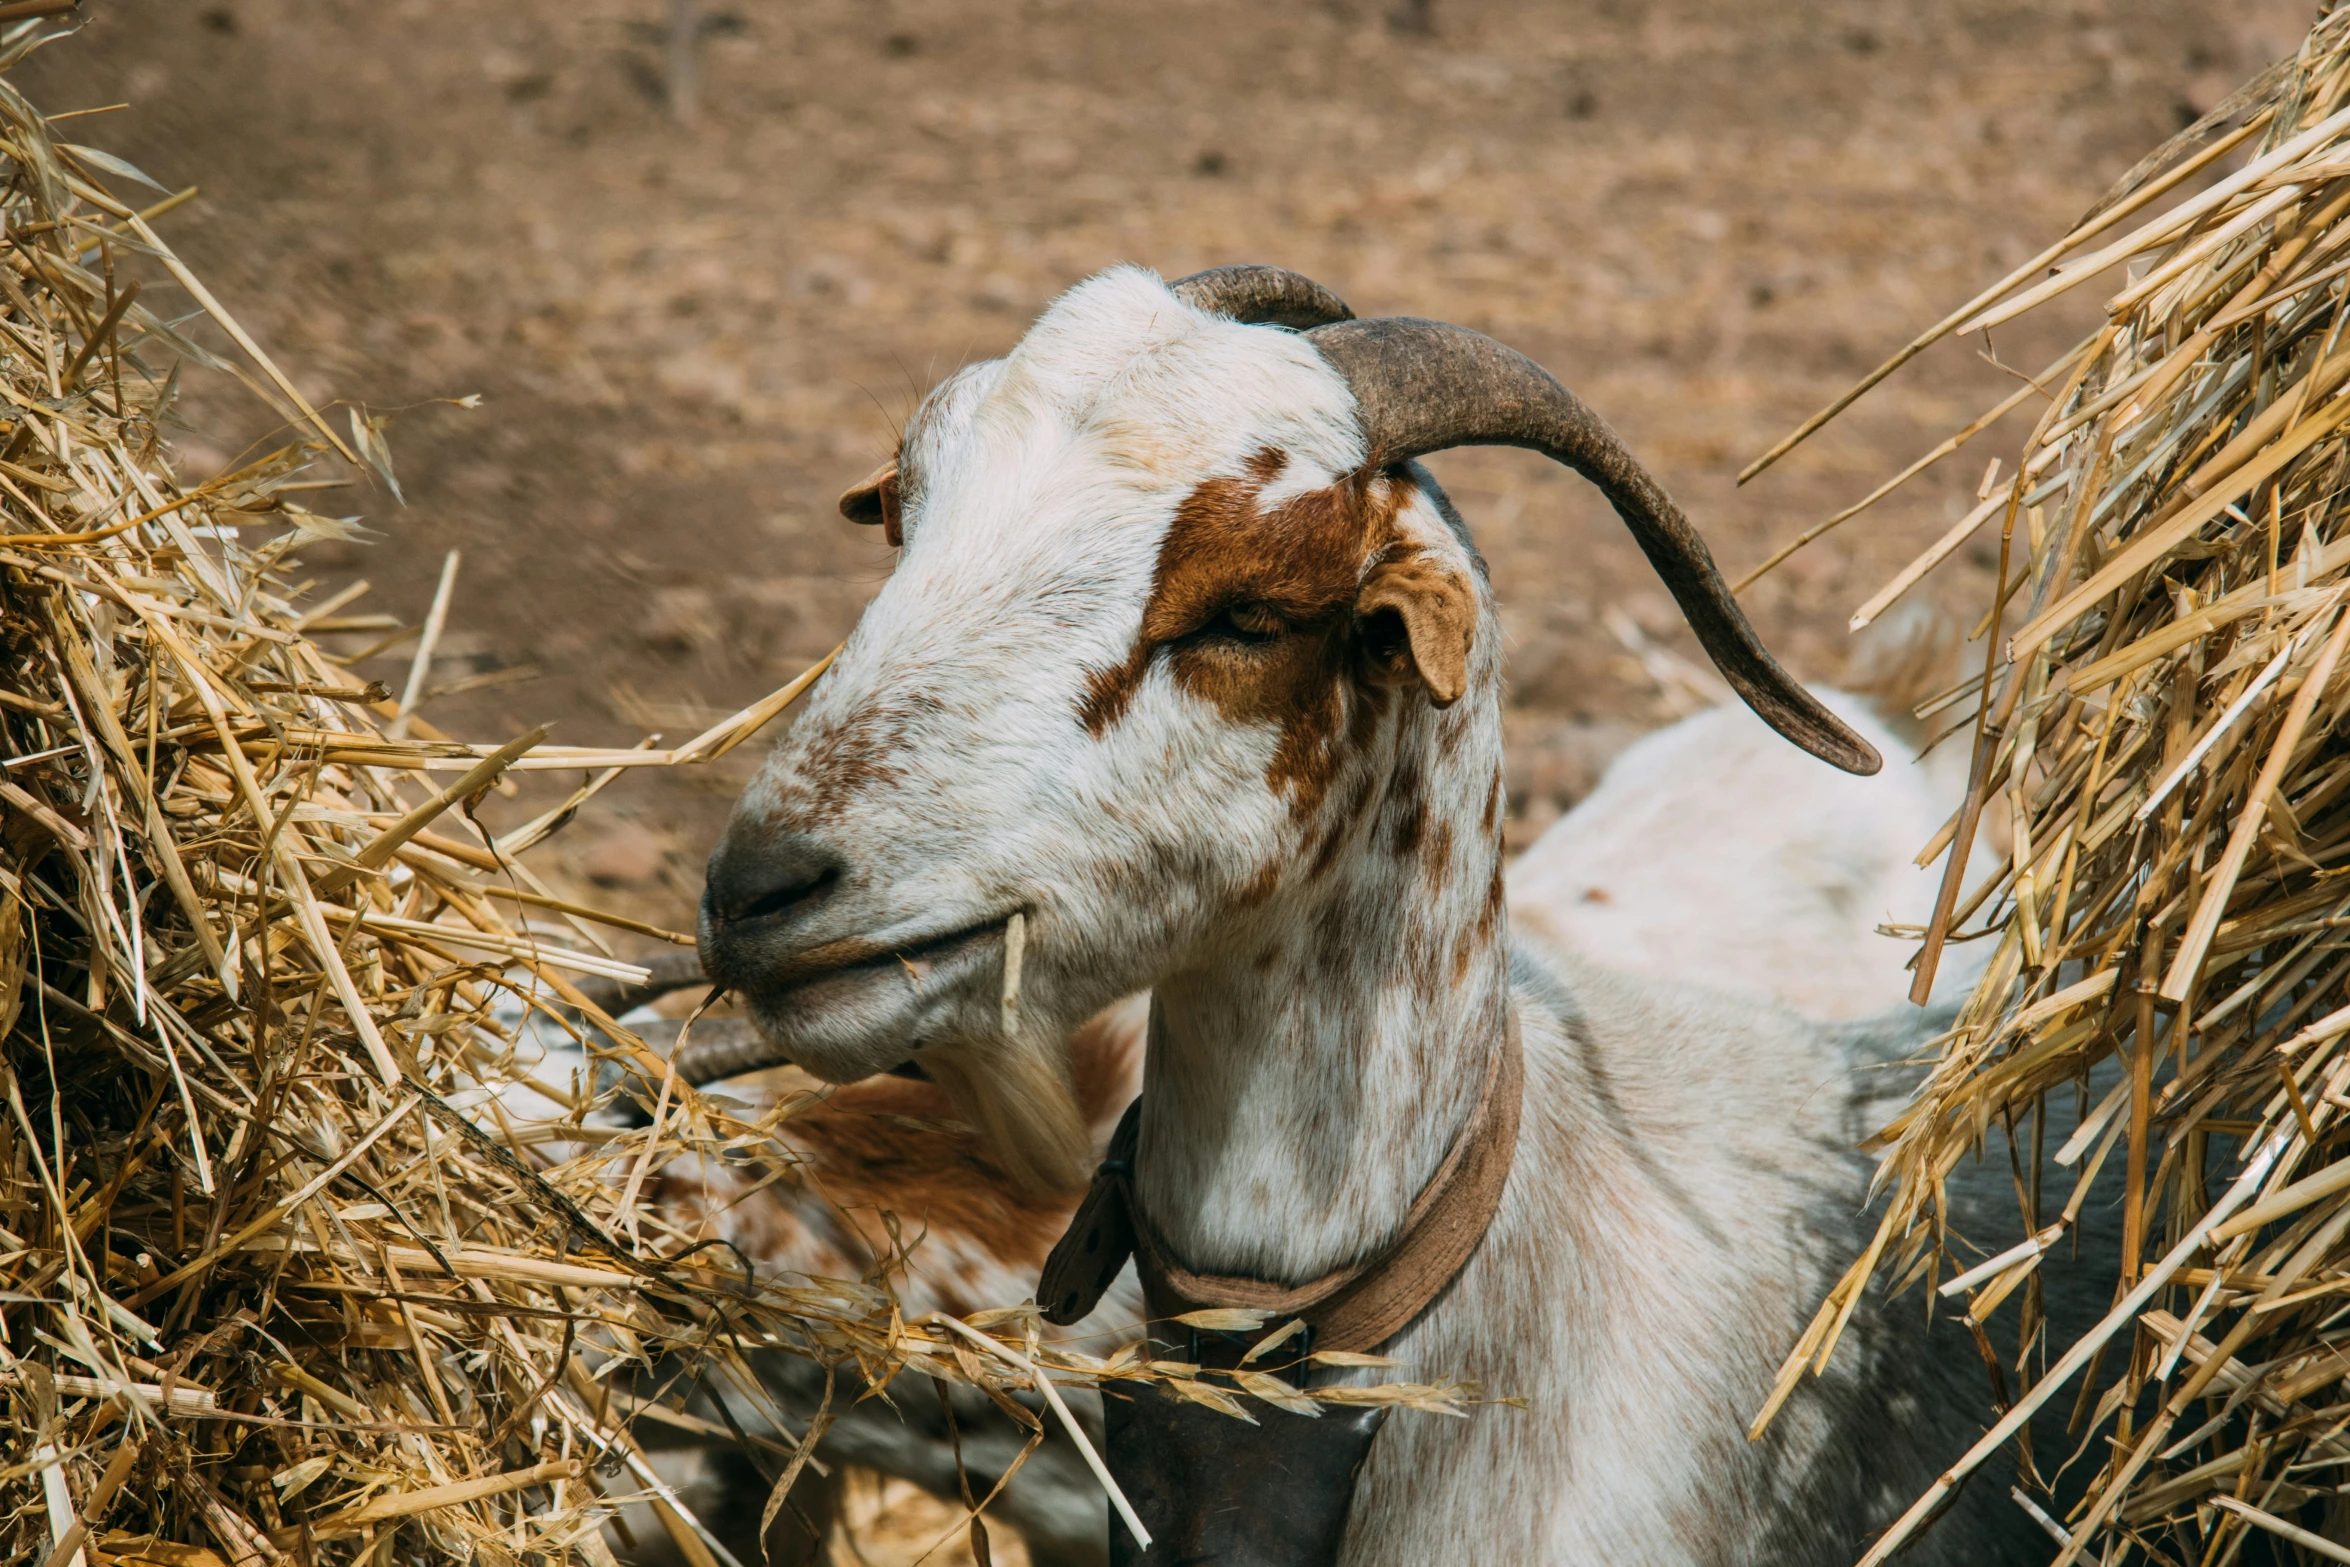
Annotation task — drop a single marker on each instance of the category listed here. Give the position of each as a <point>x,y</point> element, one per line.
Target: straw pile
<point>2162,720</point>
<point>274,1279</point>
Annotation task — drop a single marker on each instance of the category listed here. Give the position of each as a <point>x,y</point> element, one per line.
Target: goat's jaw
<point>848,1009</point>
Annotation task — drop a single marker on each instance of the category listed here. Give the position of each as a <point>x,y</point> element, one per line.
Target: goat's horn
<point>665,972</point>
<point>719,1047</point>
<point>722,1047</point>
<point>1262,296</point>
<point>1423,386</point>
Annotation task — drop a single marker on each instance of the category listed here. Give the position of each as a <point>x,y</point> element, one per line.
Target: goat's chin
<point>1017,1093</point>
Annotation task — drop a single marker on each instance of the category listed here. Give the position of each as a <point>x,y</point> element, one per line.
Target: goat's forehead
<point>1121,372</point>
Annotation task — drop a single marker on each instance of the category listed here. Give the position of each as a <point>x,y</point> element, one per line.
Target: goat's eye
<point>1247,623</point>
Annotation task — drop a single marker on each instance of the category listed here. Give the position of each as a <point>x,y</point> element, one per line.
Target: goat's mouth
<point>856,960</point>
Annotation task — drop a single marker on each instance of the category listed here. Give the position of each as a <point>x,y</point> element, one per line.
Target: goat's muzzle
<point>763,882</point>
<point>832,984</point>
<point>767,874</point>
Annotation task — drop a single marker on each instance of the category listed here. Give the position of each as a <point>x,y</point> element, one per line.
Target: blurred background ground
<point>1707,216</point>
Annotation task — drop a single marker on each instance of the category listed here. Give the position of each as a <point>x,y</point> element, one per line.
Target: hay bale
<point>268,1290</point>
<point>2162,720</point>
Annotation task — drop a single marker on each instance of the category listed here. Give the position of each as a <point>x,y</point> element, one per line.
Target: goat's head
<point>1174,600</point>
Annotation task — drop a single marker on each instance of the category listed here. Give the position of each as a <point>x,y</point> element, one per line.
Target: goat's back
<point>1713,852</point>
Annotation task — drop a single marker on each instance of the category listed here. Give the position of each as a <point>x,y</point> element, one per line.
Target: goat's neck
<point>1304,1083</point>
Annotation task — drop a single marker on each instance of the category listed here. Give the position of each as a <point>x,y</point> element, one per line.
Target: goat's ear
<point>873,499</point>
<point>1418,616</point>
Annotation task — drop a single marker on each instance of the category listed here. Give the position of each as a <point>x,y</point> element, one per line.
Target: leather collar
<point>1358,1307</point>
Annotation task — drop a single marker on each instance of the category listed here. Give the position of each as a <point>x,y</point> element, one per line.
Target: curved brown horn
<point>1423,386</point>
<point>664,972</point>
<point>722,1047</point>
<point>1262,296</point>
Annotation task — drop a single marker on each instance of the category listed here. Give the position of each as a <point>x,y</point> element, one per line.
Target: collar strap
<point>1358,1307</point>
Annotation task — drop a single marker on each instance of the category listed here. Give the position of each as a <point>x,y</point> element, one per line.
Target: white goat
<point>1713,853</point>
<point>1707,847</point>
<point>1186,663</point>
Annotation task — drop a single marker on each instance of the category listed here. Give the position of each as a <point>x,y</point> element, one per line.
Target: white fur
<point>1724,855</point>
<point>1712,851</point>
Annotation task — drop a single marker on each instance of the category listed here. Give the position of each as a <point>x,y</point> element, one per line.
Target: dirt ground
<point>1707,216</point>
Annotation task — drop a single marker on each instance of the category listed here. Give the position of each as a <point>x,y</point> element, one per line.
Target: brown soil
<point>1707,216</point>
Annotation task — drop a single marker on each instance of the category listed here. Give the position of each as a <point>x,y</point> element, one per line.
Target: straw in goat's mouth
<point>837,958</point>
<point>1015,953</point>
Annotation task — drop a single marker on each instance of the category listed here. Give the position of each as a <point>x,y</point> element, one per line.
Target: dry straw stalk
<point>2163,725</point>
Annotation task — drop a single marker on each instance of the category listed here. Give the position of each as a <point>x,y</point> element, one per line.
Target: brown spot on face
<point>857,751</point>
<point>1108,691</point>
<point>1257,612</point>
<point>1598,895</point>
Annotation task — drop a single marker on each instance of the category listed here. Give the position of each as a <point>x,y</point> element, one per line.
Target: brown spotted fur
<point>1317,564</point>
<point>897,1146</point>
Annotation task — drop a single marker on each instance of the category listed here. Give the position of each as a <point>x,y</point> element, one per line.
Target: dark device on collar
<point>1212,1489</point>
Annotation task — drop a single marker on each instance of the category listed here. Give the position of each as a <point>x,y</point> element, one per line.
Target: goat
<point>1708,848</point>
<point>1711,853</point>
<point>1187,662</point>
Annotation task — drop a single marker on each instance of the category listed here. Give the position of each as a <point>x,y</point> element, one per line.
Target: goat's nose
<point>759,875</point>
